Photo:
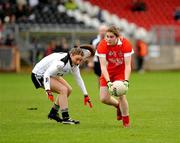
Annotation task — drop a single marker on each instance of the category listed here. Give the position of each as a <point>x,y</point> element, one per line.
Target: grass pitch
<point>154,100</point>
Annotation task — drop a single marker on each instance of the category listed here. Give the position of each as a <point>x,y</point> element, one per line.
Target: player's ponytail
<point>86,49</point>
<point>89,48</point>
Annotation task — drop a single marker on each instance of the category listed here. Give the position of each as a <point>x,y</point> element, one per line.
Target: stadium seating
<point>45,14</point>
<point>158,12</point>
<point>89,12</point>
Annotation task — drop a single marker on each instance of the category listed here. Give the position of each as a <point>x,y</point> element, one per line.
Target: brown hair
<point>88,47</point>
<point>113,29</point>
<point>76,51</point>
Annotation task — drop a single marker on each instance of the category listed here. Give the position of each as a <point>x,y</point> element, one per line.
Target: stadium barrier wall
<point>9,59</point>
<point>163,58</point>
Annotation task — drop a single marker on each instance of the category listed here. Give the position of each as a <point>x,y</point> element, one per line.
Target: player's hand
<point>126,83</point>
<point>50,96</point>
<point>87,100</point>
<point>110,87</point>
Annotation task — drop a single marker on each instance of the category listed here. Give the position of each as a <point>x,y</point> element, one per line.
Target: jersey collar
<point>119,42</point>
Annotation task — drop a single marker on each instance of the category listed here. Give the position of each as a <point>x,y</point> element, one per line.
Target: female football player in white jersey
<point>48,74</point>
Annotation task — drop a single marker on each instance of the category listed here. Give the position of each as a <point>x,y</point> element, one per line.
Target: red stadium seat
<point>158,12</point>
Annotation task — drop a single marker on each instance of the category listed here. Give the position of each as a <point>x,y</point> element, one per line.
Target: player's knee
<point>63,90</point>
<point>103,99</point>
<point>123,97</point>
<point>69,90</point>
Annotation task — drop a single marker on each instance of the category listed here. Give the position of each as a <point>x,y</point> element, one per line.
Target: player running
<point>48,74</point>
<point>115,59</point>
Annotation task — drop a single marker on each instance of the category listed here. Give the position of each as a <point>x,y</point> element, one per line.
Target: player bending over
<point>48,74</point>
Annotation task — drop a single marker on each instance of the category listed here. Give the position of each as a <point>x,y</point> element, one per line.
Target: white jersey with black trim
<point>58,64</point>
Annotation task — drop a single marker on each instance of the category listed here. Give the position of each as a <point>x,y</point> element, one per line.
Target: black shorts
<point>97,68</point>
<point>37,80</point>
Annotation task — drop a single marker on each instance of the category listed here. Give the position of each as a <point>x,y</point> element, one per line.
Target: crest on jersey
<point>111,53</point>
<point>120,54</point>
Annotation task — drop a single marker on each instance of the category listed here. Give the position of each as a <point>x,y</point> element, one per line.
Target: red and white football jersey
<point>115,54</point>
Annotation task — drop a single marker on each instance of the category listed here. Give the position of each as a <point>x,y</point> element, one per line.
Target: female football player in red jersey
<point>115,52</point>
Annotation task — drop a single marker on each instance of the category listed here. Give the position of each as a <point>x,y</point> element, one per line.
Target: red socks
<point>126,121</point>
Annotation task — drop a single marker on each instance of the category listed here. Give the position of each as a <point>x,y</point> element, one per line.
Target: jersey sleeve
<point>52,70</point>
<point>101,49</point>
<point>79,80</point>
<point>128,50</point>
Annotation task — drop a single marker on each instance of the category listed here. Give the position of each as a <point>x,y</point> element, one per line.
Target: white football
<point>119,88</point>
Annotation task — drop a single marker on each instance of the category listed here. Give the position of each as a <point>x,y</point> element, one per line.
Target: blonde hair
<point>115,30</point>
<point>76,51</point>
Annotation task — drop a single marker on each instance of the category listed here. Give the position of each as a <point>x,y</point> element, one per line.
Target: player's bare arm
<point>127,61</point>
<point>104,68</point>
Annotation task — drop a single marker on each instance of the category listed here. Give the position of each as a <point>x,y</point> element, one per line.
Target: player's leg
<point>106,98</point>
<point>65,83</point>
<point>66,119</point>
<point>53,114</point>
<point>118,111</point>
<point>124,110</point>
<point>38,82</point>
<point>63,89</point>
<point>110,100</point>
<point>56,104</point>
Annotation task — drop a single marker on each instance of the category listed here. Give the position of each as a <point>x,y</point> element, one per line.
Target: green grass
<point>154,100</point>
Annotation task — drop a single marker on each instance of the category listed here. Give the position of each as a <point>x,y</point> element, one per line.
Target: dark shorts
<point>37,80</point>
<point>97,68</point>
